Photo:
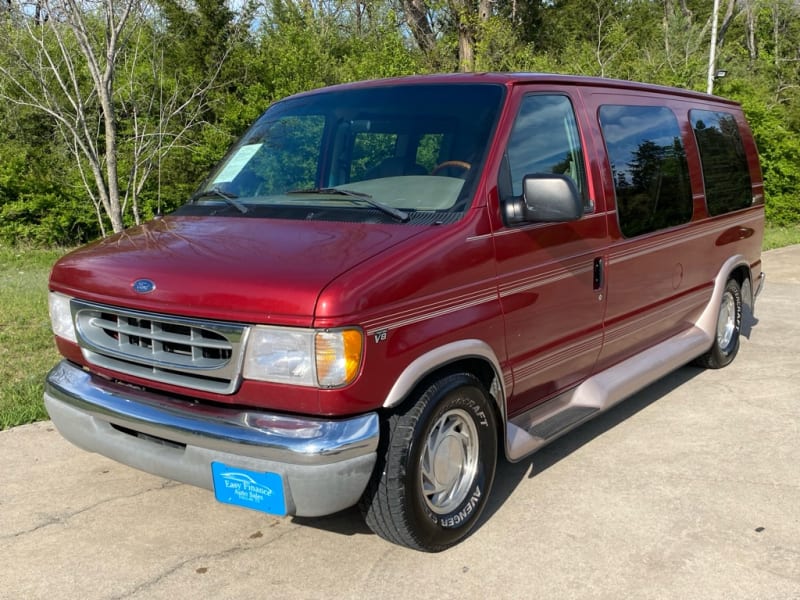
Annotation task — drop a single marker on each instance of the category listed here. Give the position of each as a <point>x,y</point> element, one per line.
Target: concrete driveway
<point>689,489</point>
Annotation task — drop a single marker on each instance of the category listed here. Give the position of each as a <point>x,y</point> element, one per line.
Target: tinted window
<point>284,157</point>
<point>369,150</point>
<point>412,147</point>
<point>648,163</point>
<point>725,171</point>
<point>544,139</point>
<point>429,150</point>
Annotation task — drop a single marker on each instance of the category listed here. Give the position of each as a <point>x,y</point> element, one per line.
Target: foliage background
<point>263,51</point>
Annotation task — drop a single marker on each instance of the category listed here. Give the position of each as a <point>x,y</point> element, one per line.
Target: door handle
<point>597,280</point>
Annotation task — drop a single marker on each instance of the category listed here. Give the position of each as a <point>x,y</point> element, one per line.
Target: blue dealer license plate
<point>251,489</point>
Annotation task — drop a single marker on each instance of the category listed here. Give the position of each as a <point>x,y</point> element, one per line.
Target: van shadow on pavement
<point>509,475</point>
<point>349,522</point>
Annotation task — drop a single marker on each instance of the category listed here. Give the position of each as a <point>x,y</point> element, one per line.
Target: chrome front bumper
<point>325,464</point>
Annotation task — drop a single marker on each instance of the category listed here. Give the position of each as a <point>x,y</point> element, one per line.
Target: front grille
<point>203,355</point>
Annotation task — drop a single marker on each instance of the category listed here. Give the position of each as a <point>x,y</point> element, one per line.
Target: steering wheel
<point>459,164</point>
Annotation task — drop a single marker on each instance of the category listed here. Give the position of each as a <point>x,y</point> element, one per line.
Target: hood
<point>227,268</point>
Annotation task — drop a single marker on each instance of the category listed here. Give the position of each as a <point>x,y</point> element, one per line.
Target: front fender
<point>440,357</point>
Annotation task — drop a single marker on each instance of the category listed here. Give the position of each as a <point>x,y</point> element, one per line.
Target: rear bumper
<point>325,464</point>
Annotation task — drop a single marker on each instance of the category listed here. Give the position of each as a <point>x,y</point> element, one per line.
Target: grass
<point>777,237</point>
<point>27,350</point>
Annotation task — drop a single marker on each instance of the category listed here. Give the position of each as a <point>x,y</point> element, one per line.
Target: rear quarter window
<point>726,175</point>
<point>648,164</point>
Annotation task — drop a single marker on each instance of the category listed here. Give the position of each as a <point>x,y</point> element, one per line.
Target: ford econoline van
<point>386,287</point>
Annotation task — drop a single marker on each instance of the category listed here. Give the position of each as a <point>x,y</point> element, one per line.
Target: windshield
<point>392,151</point>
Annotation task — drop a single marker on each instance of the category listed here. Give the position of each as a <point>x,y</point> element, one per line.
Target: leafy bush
<point>779,150</point>
<point>47,219</point>
<point>35,209</point>
<point>290,47</point>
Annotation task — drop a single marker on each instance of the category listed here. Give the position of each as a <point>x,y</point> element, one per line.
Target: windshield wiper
<point>398,214</point>
<point>215,192</point>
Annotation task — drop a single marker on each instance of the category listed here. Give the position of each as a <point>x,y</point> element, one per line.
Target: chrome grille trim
<point>192,353</point>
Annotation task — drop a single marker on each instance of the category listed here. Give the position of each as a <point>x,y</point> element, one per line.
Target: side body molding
<point>546,422</point>
<point>549,420</point>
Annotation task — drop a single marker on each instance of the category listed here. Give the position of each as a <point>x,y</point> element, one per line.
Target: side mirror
<point>546,198</point>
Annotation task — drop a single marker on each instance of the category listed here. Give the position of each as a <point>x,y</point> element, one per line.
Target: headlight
<point>280,355</point>
<point>303,356</point>
<point>61,317</point>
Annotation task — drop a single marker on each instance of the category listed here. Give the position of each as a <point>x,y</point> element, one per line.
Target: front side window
<point>342,153</point>
<point>544,140</point>
<point>725,171</point>
<point>648,164</point>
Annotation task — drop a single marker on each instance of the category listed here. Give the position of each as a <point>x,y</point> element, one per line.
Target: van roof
<point>511,79</point>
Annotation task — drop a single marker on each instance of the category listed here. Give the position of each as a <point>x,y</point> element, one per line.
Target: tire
<point>435,473</point>
<point>729,327</point>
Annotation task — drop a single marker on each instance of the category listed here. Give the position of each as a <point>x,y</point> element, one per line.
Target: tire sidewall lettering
<point>460,517</point>
<point>398,505</point>
<point>466,512</point>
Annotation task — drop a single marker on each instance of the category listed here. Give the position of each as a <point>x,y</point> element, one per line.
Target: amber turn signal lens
<point>338,355</point>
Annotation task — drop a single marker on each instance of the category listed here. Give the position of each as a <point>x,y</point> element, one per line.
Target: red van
<point>386,285</point>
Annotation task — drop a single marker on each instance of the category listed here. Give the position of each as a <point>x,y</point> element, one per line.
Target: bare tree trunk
<point>726,21</point>
<point>606,52</point>
<point>37,13</point>
<point>70,76</point>
<point>171,118</point>
<point>360,9</point>
<point>416,14</point>
<point>469,20</point>
<point>484,10</point>
<point>58,89</point>
<point>466,34</point>
<point>686,12</point>
<point>776,37</point>
<point>466,49</point>
<point>751,18</point>
<point>102,70</point>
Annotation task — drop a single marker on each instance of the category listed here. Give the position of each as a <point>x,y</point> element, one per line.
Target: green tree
<point>182,79</point>
<point>82,67</point>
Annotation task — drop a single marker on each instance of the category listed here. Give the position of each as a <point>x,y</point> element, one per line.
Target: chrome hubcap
<point>449,461</point>
<point>726,322</point>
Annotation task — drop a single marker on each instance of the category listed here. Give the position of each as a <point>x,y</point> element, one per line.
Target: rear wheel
<point>729,326</point>
<point>437,467</point>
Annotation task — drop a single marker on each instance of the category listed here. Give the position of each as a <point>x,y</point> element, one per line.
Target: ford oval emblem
<point>143,286</point>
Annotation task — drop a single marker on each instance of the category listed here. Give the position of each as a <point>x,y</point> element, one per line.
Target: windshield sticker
<point>236,163</point>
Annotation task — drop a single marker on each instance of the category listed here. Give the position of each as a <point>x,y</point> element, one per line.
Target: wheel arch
<point>736,267</point>
<point>471,355</point>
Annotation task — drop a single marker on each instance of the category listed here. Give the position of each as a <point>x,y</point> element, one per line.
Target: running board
<point>545,422</point>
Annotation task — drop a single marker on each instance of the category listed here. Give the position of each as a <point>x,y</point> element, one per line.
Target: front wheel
<point>729,326</point>
<point>437,468</point>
